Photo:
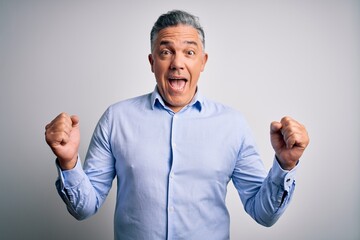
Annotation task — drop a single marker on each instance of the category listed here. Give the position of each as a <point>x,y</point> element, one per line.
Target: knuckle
<point>285,121</point>
<point>62,117</point>
<point>63,114</point>
<point>286,118</point>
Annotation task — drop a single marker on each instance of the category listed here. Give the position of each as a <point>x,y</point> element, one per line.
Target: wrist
<point>67,165</point>
<point>286,165</point>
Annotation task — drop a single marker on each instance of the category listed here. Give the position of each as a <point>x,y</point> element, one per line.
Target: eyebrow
<point>165,42</point>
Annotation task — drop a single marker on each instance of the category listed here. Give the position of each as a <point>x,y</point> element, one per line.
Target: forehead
<point>179,33</point>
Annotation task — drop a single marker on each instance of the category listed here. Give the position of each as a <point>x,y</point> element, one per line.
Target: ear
<point>204,60</point>
<point>151,61</point>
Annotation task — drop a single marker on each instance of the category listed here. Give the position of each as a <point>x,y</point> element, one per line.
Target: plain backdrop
<point>267,59</point>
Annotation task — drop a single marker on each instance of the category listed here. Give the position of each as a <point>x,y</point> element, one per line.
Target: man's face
<point>177,60</point>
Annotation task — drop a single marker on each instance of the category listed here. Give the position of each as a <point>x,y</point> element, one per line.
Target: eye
<point>165,52</point>
<point>191,52</point>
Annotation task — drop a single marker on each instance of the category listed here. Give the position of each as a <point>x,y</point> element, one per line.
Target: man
<point>173,152</point>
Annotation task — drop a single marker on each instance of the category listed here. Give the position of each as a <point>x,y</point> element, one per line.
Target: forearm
<point>77,192</point>
<point>273,197</point>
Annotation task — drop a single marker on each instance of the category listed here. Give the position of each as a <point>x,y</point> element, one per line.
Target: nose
<point>177,62</point>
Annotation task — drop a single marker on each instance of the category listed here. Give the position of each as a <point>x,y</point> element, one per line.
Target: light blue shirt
<point>172,171</point>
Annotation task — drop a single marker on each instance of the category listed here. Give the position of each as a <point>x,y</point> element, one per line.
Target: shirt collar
<point>196,102</point>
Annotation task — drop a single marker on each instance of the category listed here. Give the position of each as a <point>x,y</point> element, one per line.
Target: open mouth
<point>177,83</point>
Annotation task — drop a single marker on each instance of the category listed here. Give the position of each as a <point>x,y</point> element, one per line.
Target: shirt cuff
<point>73,177</point>
<point>281,177</point>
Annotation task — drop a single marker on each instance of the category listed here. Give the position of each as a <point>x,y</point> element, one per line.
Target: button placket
<point>171,208</point>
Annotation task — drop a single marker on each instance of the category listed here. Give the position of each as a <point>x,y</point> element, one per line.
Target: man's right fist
<point>63,136</point>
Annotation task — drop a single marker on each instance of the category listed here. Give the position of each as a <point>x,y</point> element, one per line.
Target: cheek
<point>159,74</point>
<point>160,69</point>
<point>195,70</point>
<point>160,77</point>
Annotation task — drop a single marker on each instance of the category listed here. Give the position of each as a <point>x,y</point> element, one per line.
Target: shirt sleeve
<point>265,196</point>
<point>84,189</point>
<point>265,199</point>
<point>69,185</point>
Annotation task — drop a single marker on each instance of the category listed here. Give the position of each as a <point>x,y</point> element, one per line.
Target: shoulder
<point>127,108</point>
<point>130,105</point>
<point>225,117</point>
<point>138,102</point>
<point>215,108</point>
<point>226,120</point>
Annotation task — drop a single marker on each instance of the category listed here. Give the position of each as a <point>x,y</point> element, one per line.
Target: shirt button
<point>171,209</point>
<point>174,145</point>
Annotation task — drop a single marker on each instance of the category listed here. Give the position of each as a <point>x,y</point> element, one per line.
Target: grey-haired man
<point>173,151</point>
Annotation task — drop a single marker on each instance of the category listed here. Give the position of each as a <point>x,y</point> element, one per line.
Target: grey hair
<point>174,18</point>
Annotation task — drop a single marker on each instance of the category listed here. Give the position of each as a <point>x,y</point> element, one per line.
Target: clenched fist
<point>289,139</point>
<point>63,136</point>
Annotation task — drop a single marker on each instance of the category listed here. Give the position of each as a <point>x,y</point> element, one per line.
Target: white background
<point>266,58</point>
